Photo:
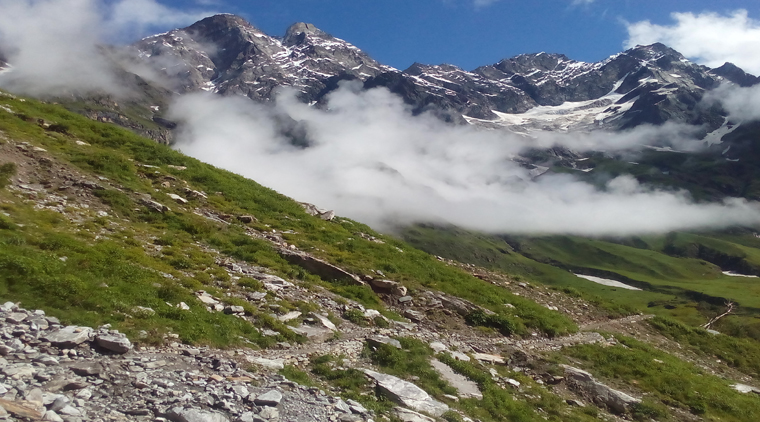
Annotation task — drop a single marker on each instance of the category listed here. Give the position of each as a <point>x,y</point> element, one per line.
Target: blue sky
<point>465,33</point>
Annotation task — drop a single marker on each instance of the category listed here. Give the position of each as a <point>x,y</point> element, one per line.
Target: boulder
<point>69,337</point>
<point>407,394</point>
<point>115,342</point>
<point>323,269</point>
<point>615,400</point>
<point>270,398</point>
<point>388,286</point>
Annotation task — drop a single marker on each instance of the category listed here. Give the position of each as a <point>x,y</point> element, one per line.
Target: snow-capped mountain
<point>647,84</point>
<point>227,55</point>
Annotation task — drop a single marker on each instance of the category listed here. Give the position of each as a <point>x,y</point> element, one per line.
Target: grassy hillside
<point>50,260</point>
<point>673,270</point>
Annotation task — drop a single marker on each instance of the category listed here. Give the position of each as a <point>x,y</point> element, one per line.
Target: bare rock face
<point>407,394</point>
<point>615,400</point>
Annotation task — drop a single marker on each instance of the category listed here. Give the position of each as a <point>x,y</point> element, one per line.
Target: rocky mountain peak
<point>526,63</point>
<point>735,74</point>
<point>654,51</point>
<point>298,32</point>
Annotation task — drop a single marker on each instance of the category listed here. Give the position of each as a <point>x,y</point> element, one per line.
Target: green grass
<point>742,354</point>
<point>673,382</point>
<point>673,270</point>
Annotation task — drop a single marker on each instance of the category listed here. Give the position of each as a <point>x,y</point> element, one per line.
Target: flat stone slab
<point>485,357</point>
<point>406,415</point>
<point>377,341</point>
<point>313,333</point>
<point>407,394</point>
<point>615,400</point>
<point>267,363</point>
<point>178,414</point>
<point>289,316</point>
<point>466,388</point>
<point>69,337</point>
<point>270,398</point>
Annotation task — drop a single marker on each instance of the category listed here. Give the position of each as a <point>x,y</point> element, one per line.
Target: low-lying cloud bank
<point>371,160</point>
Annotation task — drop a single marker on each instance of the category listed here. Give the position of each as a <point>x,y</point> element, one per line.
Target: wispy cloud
<point>709,38</point>
<point>581,2</point>
<point>53,45</point>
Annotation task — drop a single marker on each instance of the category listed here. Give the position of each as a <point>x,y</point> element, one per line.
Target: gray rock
<point>46,360</point>
<point>615,400</point>
<point>118,343</point>
<point>179,414</point>
<point>59,403</point>
<point>69,410</point>
<point>269,413</point>
<point>406,415</point>
<point>438,347</point>
<point>16,317</point>
<point>312,333</point>
<point>289,316</point>
<point>377,341</point>
<point>52,417</point>
<point>342,406</point>
<point>743,388</point>
<point>387,286</point>
<point>69,337</point>
<point>270,398</point>
<point>324,321</point>
<point>407,394</point>
<point>246,417</point>
<point>267,363</point>
<point>466,388</point>
<point>413,315</point>
<point>87,369</point>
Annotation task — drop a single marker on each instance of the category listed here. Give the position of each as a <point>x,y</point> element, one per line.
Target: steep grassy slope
<point>57,254</point>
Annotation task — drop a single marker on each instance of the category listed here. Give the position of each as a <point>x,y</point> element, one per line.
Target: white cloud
<point>582,2</point>
<point>372,161</point>
<point>742,104</point>
<point>709,38</point>
<point>53,45</point>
